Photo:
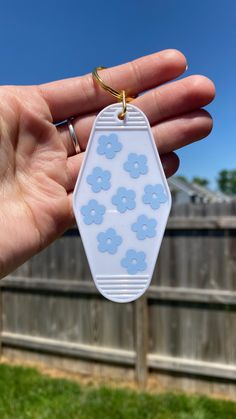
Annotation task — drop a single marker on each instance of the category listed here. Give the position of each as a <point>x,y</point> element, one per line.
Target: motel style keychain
<point>121,200</point>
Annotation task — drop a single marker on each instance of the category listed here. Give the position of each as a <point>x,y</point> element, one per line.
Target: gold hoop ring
<point>119,94</point>
<point>124,106</point>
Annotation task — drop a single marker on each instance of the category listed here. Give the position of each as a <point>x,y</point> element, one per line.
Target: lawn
<point>25,393</point>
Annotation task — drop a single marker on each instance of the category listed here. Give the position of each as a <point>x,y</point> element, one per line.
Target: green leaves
<point>227,181</point>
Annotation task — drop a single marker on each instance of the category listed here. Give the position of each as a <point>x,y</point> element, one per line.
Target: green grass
<point>25,393</point>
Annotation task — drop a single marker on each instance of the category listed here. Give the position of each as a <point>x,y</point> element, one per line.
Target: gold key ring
<point>119,94</point>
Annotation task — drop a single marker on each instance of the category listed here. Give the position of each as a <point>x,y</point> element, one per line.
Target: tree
<point>227,181</point>
<point>200,181</point>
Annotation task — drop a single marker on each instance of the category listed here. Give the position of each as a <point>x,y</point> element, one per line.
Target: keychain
<point>121,200</point>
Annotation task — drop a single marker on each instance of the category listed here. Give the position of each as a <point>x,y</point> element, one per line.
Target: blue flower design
<point>109,241</point>
<point>109,145</point>
<point>136,165</point>
<point>154,195</point>
<point>93,212</point>
<point>124,199</point>
<point>99,179</point>
<point>134,261</point>
<point>144,227</point>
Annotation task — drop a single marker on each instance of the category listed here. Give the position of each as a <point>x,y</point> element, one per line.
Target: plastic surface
<point>121,203</point>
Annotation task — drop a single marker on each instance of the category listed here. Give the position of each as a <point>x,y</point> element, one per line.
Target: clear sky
<point>45,40</point>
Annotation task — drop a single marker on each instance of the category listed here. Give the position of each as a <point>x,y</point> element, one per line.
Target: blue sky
<point>46,40</point>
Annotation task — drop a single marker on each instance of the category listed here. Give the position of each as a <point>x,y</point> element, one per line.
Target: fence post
<point>141,340</point>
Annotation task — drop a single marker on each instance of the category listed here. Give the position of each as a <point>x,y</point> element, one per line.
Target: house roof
<point>198,191</point>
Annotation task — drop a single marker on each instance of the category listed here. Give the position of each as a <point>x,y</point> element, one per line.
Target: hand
<point>38,168</point>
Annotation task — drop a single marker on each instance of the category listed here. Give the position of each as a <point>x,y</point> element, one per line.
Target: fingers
<point>169,135</point>
<point>180,131</point>
<point>175,115</point>
<point>170,163</point>
<point>81,95</point>
<point>73,168</point>
<point>177,98</point>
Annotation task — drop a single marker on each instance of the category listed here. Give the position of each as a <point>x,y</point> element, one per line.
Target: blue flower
<point>154,195</point>
<point>134,261</point>
<point>109,241</point>
<point>124,199</point>
<point>144,227</point>
<point>99,179</point>
<point>93,212</point>
<point>136,165</point>
<point>109,145</point>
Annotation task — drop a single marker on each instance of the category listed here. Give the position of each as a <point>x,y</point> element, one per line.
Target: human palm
<point>38,168</point>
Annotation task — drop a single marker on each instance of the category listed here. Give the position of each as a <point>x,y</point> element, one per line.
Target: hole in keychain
<point>119,94</point>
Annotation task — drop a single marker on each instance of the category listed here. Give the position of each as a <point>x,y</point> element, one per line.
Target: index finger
<point>80,95</point>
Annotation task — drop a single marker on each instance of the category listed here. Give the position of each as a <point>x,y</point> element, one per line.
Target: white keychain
<point>121,201</point>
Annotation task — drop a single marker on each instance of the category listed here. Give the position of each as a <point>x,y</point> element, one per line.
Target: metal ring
<point>73,136</point>
<point>124,106</point>
<point>119,94</point>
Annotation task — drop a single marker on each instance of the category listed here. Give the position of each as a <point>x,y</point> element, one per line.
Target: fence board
<point>185,324</point>
<point>55,286</point>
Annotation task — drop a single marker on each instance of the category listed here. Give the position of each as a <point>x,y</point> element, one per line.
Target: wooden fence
<point>181,334</point>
